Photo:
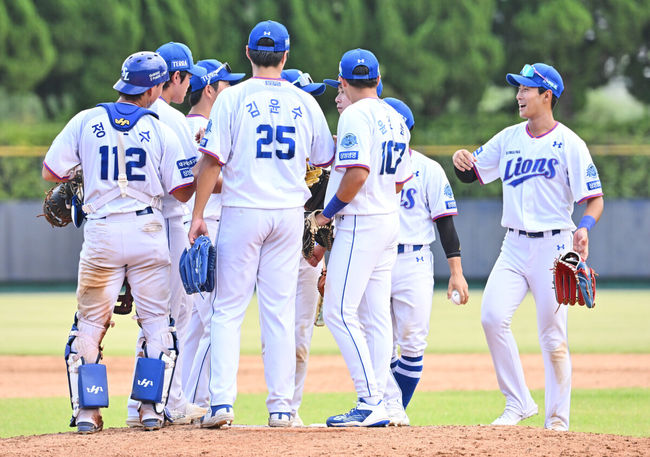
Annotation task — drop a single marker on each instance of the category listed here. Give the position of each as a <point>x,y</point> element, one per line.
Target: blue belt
<point>534,234</point>
<point>416,247</point>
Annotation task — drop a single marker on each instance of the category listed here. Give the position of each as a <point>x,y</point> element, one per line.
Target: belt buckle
<point>531,235</point>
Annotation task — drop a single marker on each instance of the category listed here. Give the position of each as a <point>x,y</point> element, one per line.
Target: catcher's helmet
<point>141,71</point>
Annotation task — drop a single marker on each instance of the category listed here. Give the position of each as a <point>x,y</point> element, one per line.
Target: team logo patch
<point>203,142</point>
<point>450,204</point>
<point>591,171</point>
<point>122,121</point>
<point>447,191</point>
<point>591,185</point>
<point>349,140</point>
<point>349,155</point>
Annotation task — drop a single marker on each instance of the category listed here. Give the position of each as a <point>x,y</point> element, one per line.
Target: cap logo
<point>179,63</point>
<point>361,60</point>
<point>125,74</point>
<point>267,33</point>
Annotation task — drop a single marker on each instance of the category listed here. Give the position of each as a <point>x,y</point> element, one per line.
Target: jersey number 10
<point>140,159</point>
<point>389,151</point>
<point>283,135</point>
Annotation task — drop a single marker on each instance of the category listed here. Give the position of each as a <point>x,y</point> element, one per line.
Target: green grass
<point>621,411</point>
<point>38,324</point>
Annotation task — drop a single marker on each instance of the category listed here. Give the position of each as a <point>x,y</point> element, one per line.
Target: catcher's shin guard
<point>87,382</point>
<point>154,372</point>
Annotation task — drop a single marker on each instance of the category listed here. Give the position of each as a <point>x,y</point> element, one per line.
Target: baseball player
<point>129,160</point>
<point>341,100</point>
<point>308,273</point>
<point>544,167</point>
<point>180,64</point>
<point>427,199</point>
<point>261,132</point>
<point>370,165</point>
<point>204,90</point>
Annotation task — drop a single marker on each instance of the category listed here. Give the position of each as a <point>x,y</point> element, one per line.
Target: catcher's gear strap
<point>448,236</point>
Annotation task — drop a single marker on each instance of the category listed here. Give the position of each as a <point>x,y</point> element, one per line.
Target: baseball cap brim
<point>196,70</point>
<point>332,83</point>
<point>231,77</point>
<point>315,89</point>
<point>518,80</point>
<point>129,89</point>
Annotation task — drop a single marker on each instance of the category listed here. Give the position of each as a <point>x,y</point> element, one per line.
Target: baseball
<point>455,297</point>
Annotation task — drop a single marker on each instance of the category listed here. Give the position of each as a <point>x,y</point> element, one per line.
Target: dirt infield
<point>45,377</point>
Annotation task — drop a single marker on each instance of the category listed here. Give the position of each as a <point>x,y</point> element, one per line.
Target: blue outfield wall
<point>32,250</point>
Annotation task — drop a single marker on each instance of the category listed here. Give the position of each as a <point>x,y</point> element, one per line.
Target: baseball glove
<point>574,281</point>
<point>314,233</point>
<point>197,266</point>
<point>125,300</point>
<point>316,179</point>
<point>62,199</point>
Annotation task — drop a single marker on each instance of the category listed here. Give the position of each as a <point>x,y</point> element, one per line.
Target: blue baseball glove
<point>574,281</point>
<point>197,266</point>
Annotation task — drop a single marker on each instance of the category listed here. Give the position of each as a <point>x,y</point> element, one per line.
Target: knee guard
<point>154,371</point>
<point>87,382</point>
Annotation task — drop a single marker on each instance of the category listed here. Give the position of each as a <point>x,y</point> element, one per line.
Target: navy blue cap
<point>179,58</point>
<point>403,109</point>
<point>269,29</point>
<point>335,84</point>
<point>357,58</point>
<point>538,75</point>
<point>215,71</point>
<point>140,72</point>
<point>303,81</point>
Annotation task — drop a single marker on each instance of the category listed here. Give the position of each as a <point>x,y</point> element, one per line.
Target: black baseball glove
<point>58,205</point>
<point>316,179</point>
<point>314,233</point>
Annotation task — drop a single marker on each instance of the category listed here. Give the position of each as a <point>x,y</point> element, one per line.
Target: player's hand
<point>317,256</point>
<point>458,282</point>
<point>463,160</point>
<point>321,220</point>
<point>197,228</point>
<point>581,242</point>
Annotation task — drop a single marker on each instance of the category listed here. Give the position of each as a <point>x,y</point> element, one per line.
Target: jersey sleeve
<point>175,171</point>
<point>583,175</point>
<point>353,140</point>
<point>217,139</point>
<point>487,159</point>
<point>322,148</point>
<point>439,193</point>
<point>63,154</point>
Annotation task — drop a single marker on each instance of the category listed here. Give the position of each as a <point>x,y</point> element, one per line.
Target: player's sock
<point>393,363</point>
<point>407,374</point>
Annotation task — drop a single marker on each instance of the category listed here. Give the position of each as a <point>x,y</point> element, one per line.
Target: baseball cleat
<point>218,416</point>
<point>512,417</point>
<point>86,428</point>
<point>280,420</point>
<point>296,421</point>
<point>153,423</point>
<point>133,421</point>
<point>363,415</point>
<point>397,415</point>
<point>191,413</point>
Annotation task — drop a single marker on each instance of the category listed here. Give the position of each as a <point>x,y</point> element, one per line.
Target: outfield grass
<point>621,411</point>
<point>38,324</point>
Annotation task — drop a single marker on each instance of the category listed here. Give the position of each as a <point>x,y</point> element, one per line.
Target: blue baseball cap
<point>335,84</point>
<point>303,81</point>
<point>215,71</point>
<point>403,109</point>
<point>358,58</point>
<point>140,72</point>
<point>538,75</point>
<point>179,58</point>
<point>269,29</point>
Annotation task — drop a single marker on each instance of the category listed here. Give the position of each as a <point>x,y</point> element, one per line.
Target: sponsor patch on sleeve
<point>186,173</point>
<point>591,185</point>
<point>204,142</point>
<point>450,204</point>
<point>186,163</point>
<point>349,140</point>
<point>348,155</point>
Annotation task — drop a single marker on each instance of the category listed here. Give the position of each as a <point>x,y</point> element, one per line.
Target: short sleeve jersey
<point>371,135</point>
<point>187,153</point>
<point>541,176</point>
<point>262,131</point>
<point>424,199</point>
<point>90,140</point>
<point>213,207</point>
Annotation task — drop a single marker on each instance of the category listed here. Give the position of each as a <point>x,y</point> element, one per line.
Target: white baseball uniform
<point>424,199</point>
<point>124,236</point>
<point>372,135</point>
<point>173,212</point>
<point>542,177</point>
<point>261,131</point>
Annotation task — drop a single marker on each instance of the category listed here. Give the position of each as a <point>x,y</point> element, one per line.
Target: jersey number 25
<point>283,135</point>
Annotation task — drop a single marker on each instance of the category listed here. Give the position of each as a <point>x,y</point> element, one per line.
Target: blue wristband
<point>587,222</point>
<point>334,206</point>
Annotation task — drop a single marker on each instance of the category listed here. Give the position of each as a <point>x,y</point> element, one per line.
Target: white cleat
<point>280,420</point>
<point>133,421</point>
<point>218,416</point>
<point>397,415</point>
<point>191,413</point>
<point>512,417</point>
<point>296,421</point>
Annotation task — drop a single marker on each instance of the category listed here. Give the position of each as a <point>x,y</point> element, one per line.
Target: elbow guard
<point>448,236</point>
<point>467,176</point>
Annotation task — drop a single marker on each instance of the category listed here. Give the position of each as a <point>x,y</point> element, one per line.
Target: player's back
<point>372,135</point>
<point>262,131</point>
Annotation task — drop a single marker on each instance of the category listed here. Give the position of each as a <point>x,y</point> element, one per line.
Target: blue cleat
<point>363,415</point>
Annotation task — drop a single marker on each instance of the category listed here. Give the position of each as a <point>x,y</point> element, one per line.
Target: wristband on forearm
<point>334,206</point>
<point>587,222</point>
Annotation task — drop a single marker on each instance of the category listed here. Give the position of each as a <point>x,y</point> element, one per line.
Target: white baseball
<point>455,297</point>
